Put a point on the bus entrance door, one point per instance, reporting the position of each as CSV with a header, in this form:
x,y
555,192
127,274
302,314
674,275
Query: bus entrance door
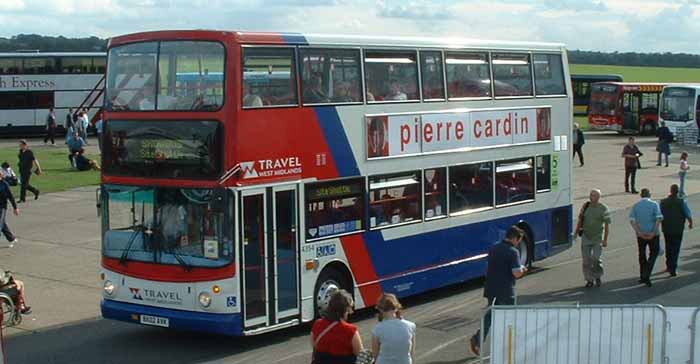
x,y
269,254
630,105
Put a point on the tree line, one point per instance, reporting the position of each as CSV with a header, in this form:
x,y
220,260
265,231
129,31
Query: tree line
x,y
35,42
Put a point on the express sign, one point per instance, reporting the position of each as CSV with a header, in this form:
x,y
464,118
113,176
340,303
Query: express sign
x,y
394,135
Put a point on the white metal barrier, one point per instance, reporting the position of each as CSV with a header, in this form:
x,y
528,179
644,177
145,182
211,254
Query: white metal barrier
x,y
695,337
600,334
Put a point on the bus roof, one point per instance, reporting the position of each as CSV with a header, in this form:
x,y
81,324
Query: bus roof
x,y
51,54
686,85
331,39
595,78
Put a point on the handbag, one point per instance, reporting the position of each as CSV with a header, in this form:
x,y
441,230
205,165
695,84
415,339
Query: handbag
x,y
319,337
364,357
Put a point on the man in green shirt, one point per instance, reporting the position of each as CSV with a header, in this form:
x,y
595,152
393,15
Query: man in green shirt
x,y
676,212
593,227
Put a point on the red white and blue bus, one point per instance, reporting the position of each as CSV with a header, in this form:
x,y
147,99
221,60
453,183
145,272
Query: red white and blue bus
x,y
246,176
31,83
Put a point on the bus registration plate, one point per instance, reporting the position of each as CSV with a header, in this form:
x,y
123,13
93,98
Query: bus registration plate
x,y
155,321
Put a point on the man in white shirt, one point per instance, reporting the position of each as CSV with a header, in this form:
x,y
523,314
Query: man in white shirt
x,y
395,93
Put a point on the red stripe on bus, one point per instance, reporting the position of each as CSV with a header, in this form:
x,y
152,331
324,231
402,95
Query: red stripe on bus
x,y
167,273
362,268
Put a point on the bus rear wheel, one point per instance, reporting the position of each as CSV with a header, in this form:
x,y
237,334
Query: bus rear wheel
x,y
526,250
330,281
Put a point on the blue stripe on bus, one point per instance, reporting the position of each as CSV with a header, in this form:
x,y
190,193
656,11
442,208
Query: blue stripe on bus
x,y
294,38
405,272
337,141
226,324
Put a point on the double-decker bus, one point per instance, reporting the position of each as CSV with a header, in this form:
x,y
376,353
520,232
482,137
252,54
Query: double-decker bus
x,y
625,107
680,106
31,83
581,86
238,203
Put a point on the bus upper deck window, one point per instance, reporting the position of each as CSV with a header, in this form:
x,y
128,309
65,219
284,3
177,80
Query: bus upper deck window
x,y
391,76
468,75
549,75
330,76
511,74
269,77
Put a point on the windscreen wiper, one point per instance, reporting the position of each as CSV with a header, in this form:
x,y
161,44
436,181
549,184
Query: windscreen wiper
x,y
138,228
180,259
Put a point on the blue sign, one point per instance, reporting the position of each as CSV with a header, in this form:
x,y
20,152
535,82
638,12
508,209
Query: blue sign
x,y
231,301
325,250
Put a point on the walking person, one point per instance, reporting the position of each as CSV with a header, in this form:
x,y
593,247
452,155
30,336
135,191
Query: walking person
x,y
51,127
663,146
26,162
645,219
503,269
85,123
333,339
684,167
631,155
579,141
393,339
98,131
5,196
593,227
675,211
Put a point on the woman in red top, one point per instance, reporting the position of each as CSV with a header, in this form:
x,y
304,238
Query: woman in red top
x,y
341,343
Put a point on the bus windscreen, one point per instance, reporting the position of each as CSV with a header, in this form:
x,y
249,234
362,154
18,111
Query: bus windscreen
x,y
603,99
678,104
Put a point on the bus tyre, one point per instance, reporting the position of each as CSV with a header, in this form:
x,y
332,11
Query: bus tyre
x,y
526,249
328,282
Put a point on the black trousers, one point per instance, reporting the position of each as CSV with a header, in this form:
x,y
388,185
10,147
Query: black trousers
x,y
24,180
497,301
673,249
578,148
630,178
646,262
6,229
51,135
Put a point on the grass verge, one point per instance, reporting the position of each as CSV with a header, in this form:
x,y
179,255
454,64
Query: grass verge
x,y
58,175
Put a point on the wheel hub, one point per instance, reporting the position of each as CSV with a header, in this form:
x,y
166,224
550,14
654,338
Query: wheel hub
x,y
324,293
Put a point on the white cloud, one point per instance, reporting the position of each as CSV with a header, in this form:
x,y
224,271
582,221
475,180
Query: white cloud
x,y
624,25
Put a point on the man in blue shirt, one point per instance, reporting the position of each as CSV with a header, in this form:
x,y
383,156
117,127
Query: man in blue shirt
x,y
646,218
75,144
503,268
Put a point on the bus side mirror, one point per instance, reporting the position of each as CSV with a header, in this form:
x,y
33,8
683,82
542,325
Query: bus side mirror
x,y
218,200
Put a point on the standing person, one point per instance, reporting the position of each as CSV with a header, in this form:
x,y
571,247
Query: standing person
x,y
50,127
645,219
675,211
85,123
579,141
663,146
393,339
98,131
6,195
69,124
333,339
631,155
593,227
26,162
684,167
503,269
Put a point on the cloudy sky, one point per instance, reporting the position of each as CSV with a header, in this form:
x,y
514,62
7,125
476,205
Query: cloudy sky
x,y
606,25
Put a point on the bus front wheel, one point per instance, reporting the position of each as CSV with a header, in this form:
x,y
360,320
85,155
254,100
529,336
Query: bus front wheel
x,y
526,250
648,128
330,281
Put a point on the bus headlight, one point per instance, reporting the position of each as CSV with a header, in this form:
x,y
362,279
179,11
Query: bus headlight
x,y
204,299
109,287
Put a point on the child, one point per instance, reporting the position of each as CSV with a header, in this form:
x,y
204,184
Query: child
x,y
684,170
8,174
